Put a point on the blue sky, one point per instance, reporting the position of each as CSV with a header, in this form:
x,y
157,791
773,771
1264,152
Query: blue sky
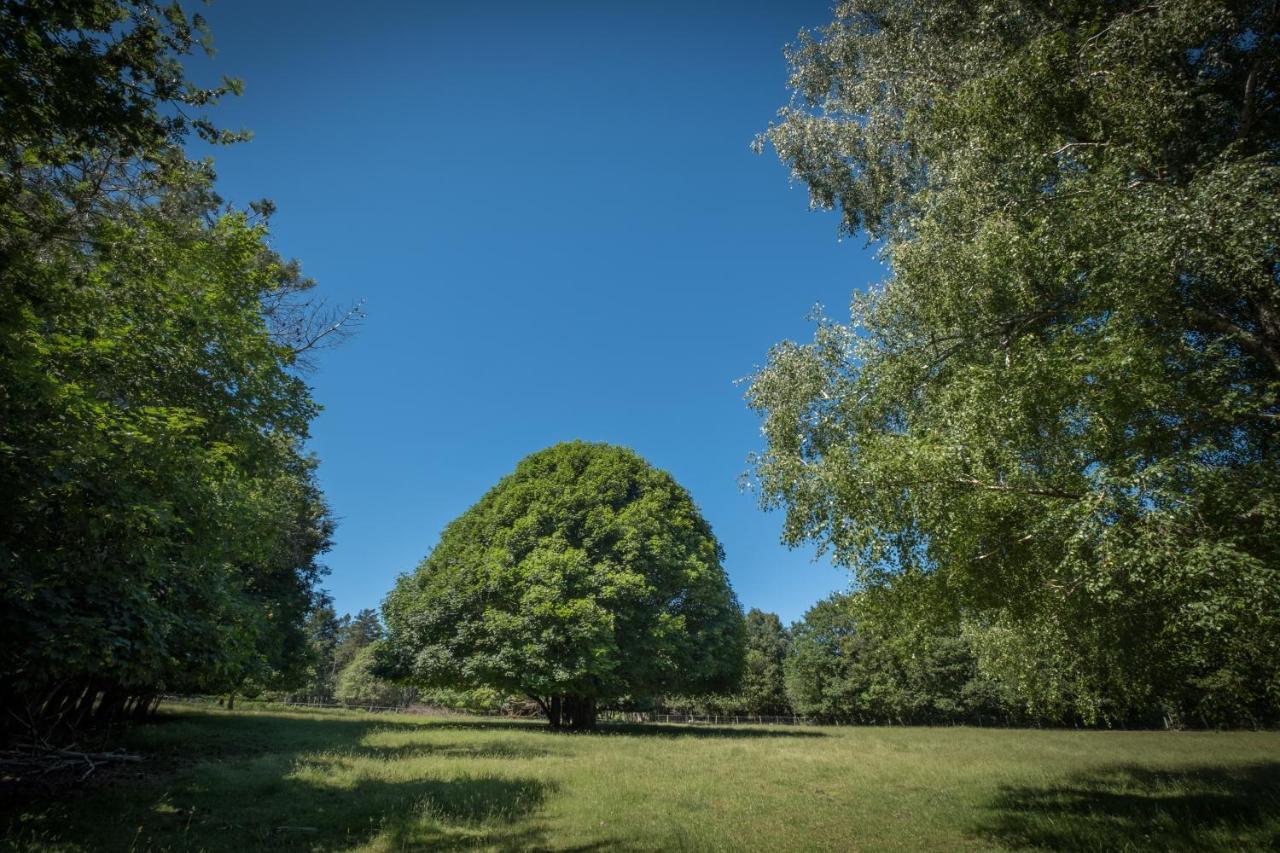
x,y
559,230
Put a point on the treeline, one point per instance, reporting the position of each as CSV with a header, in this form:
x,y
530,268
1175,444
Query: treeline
x,y
343,650
891,655
900,655
345,669
160,522
903,655
857,658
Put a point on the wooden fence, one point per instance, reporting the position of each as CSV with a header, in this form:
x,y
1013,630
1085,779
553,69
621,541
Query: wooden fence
x,y
606,715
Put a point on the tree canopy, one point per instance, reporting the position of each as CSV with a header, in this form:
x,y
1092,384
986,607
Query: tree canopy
x,y
767,644
359,682
1065,396
333,642
161,521
879,656
585,575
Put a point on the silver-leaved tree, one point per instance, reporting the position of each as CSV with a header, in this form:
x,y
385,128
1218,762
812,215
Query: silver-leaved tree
x,y
1062,403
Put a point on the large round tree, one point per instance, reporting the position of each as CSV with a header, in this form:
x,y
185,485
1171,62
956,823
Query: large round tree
x,y
585,575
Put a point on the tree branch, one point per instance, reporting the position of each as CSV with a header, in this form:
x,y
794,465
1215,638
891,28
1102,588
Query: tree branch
x,y
1206,321
1002,487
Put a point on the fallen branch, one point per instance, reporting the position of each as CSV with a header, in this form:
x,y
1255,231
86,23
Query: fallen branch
x,y
47,759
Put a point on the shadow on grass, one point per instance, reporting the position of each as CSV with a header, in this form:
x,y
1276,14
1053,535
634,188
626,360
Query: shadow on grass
x,y
482,812
1140,808
661,730
235,732
221,781
321,730
425,814
237,781
491,749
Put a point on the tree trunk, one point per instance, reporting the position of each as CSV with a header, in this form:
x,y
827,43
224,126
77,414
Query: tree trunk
x,y
569,712
142,707
550,707
84,707
579,713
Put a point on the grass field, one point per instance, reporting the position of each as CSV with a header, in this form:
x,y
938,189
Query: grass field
x,y
324,780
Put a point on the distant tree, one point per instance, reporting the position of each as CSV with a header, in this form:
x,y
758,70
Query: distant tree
x,y
360,684
354,633
476,699
763,685
332,643
819,671
865,657
1065,397
322,629
584,576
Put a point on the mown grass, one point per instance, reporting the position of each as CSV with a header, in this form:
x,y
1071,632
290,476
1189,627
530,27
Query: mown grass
x,y
241,781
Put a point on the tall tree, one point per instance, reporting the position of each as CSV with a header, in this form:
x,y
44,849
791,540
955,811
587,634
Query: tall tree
x,y
161,523
767,642
322,629
1065,397
585,575
355,633
820,672
359,682
888,655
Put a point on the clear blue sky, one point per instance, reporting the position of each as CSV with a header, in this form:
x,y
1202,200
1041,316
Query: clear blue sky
x,y
559,229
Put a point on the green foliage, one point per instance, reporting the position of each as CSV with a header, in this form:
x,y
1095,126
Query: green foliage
x,y
333,642
585,574
359,684
1064,400
477,699
868,658
355,633
161,521
762,689
767,643
81,75
824,650
322,628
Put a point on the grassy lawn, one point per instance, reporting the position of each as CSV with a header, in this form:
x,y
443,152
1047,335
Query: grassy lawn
x,y
325,780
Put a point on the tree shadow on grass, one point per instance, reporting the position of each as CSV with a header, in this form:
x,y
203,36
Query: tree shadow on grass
x,y
283,813
223,734
660,730
488,749
1140,808
429,814
233,781
311,731
220,781
480,812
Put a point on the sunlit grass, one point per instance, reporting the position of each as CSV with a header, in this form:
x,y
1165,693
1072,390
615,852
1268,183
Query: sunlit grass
x,y
223,781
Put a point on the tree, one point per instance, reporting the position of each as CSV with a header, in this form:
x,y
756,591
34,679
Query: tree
x,y
161,524
332,643
322,636
869,658
1065,396
767,644
355,633
824,648
360,684
584,576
